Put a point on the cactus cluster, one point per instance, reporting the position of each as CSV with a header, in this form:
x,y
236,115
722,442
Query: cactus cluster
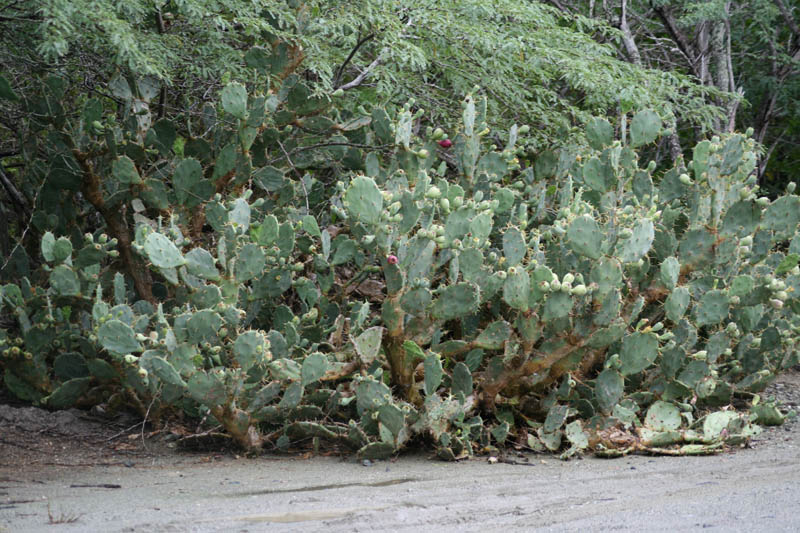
x,y
457,291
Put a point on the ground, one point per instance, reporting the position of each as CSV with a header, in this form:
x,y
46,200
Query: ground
x,y
76,471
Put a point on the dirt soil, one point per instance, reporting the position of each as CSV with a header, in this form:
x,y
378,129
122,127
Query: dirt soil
x,y
75,471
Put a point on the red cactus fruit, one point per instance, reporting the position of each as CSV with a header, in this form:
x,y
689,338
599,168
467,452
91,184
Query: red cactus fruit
x,y
445,143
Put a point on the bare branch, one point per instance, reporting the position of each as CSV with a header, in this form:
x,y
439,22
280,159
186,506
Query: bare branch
x,y
787,16
353,52
679,38
355,82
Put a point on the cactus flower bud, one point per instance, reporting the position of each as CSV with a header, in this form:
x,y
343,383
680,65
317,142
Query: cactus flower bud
x,y
444,203
685,179
445,143
762,201
391,259
790,187
142,373
579,290
568,278
776,304
524,129
433,192
422,154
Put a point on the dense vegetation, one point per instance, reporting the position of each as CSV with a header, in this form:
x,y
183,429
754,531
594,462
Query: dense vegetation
x,y
366,225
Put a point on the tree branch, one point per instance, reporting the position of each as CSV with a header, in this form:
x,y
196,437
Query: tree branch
x,y
787,16
353,52
13,192
355,82
679,38
91,188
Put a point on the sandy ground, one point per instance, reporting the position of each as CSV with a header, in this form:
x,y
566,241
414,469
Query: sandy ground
x,y
66,478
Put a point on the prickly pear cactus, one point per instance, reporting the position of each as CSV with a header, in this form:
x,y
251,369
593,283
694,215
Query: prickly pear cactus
x,y
443,291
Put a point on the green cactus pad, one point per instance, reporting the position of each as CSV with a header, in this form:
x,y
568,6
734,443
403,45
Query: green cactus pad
x,y
599,133
608,389
741,219
314,368
584,237
166,372
663,416
607,273
64,281
433,373
638,352
101,370
118,337
645,127
234,100
124,171
782,216
377,451
517,288
638,244
162,252
392,418
249,349
207,389
712,308
480,228
364,200
670,270
514,248
677,303
370,395
556,416
419,259
200,263
250,262
68,393
558,305
642,185
598,175
416,301
457,224
494,336
696,248
456,301
203,326
471,264
462,380
731,154
70,365
609,307
368,344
